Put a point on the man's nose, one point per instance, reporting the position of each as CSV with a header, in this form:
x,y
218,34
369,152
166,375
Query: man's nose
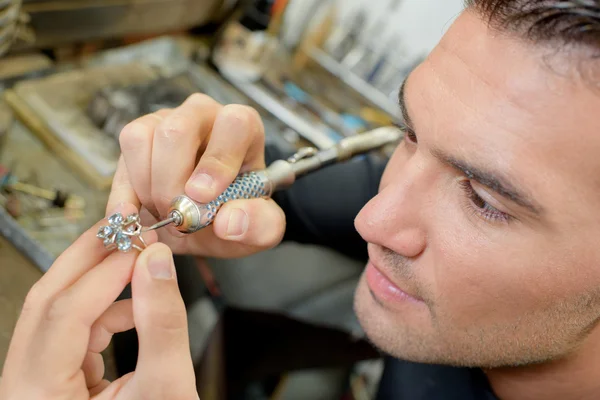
x,y
394,218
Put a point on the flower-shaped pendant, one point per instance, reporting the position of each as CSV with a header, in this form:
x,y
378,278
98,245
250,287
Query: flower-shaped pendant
x,y
121,232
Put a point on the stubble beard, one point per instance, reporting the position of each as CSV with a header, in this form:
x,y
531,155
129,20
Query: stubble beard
x,y
547,336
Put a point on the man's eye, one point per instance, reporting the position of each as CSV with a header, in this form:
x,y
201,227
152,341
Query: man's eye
x,y
411,136
482,207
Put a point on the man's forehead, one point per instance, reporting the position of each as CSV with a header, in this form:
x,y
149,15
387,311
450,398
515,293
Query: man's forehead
x,y
495,99
507,84
515,70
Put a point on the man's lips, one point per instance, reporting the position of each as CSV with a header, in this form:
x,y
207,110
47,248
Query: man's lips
x,y
384,288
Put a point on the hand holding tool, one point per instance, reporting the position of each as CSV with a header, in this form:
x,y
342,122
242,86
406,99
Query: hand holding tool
x,y
189,216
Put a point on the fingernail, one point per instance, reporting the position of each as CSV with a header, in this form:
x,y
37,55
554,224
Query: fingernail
x,y
160,265
203,182
238,222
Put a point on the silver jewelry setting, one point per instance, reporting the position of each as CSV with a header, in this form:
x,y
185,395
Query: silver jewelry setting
x,y
121,232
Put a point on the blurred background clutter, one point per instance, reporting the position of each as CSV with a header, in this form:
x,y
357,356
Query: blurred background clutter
x,y
277,325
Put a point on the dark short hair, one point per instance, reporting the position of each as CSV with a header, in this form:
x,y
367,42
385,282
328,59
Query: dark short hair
x,y
560,22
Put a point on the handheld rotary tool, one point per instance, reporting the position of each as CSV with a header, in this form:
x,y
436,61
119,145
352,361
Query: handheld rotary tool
x,y
189,216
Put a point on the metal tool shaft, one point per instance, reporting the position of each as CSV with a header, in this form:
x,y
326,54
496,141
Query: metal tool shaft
x,y
189,216
171,220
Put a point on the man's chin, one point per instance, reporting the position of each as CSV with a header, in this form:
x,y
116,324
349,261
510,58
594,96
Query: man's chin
x,y
386,330
377,322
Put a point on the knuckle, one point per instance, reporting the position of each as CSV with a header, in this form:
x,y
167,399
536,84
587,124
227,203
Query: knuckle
x,y
171,321
240,115
251,112
246,122
58,309
200,98
35,298
162,112
255,120
133,135
173,127
121,185
256,130
221,162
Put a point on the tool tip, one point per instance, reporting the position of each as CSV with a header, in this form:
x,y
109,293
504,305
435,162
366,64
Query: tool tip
x,y
160,224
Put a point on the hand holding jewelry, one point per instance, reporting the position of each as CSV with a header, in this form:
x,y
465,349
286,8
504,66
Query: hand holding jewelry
x,y
121,232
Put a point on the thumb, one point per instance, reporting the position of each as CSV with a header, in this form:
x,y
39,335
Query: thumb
x,y
165,368
259,223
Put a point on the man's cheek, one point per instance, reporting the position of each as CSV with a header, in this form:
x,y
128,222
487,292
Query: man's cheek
x,y
467,282
482,291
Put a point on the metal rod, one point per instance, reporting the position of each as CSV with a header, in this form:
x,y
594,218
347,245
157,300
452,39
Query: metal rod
x,y
160,224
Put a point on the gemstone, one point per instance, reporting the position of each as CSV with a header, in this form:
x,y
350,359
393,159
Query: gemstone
x,y
123,242
132,228
116,219
104,232
132,218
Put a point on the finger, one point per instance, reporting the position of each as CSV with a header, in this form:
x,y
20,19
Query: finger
x,y
241,228
110,391
99,388
236,143
257,223
63,335
84,254
136,146
117,318
122,191
93,369
177,140
161,323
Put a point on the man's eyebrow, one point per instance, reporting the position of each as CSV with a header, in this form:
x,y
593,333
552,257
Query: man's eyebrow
x,y
495,183
402,103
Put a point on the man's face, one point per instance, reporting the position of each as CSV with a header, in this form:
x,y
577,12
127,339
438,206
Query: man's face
x,y
484,239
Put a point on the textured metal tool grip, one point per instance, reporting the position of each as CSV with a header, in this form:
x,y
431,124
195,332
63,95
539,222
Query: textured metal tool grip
x,y
249,185
193,216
